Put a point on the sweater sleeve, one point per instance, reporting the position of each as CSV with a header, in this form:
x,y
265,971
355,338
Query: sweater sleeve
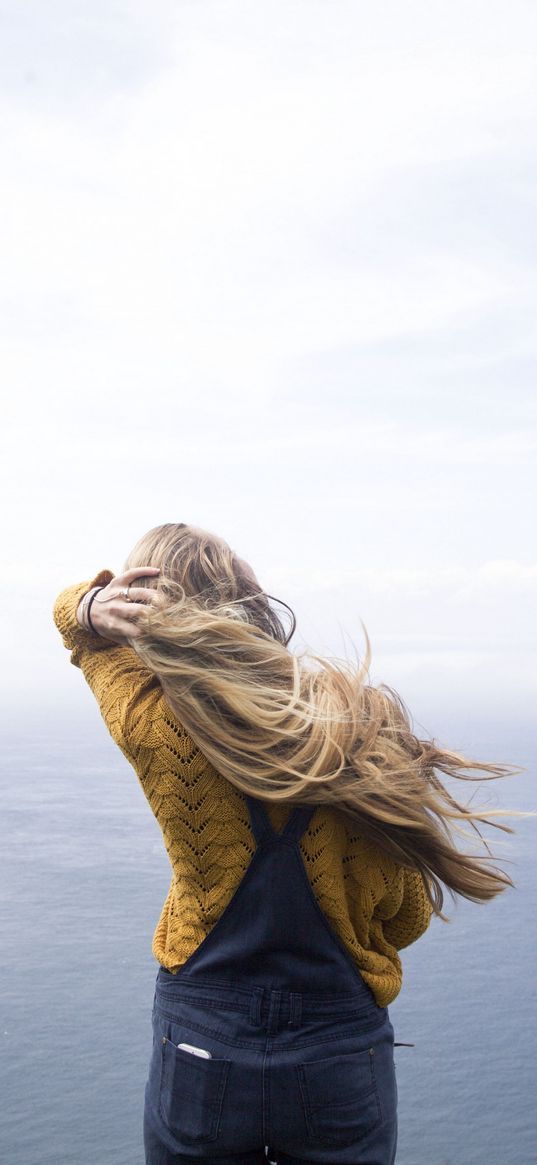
x,y
413,910
126,691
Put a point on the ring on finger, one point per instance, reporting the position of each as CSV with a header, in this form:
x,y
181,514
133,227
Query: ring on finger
x,y
125,592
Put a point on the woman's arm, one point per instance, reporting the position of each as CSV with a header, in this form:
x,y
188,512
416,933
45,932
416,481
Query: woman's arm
x,y
406,910
122,686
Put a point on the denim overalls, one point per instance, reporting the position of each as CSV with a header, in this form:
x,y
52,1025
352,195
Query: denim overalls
x,y
291,1050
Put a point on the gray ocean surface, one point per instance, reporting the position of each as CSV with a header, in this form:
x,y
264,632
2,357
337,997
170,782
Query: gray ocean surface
x,y
84,875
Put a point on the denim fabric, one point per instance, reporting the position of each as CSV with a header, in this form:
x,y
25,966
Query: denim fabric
x,y
298,1055
321,1090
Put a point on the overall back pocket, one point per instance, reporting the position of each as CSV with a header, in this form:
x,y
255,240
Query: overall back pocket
x,y
191,1094
340,1098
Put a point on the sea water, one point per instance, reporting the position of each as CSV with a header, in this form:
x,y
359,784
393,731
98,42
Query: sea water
x,y
84,875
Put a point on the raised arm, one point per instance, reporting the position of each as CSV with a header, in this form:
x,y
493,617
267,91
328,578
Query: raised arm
x,y
122,686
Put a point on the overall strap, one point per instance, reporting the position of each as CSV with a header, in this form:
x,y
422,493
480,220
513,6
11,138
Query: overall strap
x,y
259,821
293,829
298,822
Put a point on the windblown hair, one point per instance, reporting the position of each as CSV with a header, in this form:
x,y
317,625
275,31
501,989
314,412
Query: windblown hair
x,y
302,728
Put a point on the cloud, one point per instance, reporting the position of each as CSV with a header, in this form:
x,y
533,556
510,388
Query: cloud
x,y
73,57
181,174
269,270
455,583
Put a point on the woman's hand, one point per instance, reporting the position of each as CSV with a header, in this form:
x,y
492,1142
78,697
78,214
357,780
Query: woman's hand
x,y
117,615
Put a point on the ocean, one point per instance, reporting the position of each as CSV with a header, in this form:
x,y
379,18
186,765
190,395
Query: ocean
x,y
84,875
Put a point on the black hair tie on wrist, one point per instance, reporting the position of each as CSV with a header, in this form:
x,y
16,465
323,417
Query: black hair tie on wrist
x,y
88,609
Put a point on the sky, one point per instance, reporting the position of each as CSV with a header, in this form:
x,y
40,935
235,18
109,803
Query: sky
x,y
271,269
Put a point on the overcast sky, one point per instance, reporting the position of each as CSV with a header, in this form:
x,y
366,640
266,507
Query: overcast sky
x,y
270,268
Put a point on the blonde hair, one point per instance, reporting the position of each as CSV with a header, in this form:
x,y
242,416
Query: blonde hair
x,y
303,728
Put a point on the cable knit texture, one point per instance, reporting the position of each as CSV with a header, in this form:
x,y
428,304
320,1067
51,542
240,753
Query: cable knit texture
x,y
373,905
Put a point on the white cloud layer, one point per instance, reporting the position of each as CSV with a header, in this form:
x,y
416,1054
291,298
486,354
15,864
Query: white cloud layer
x,y
271,269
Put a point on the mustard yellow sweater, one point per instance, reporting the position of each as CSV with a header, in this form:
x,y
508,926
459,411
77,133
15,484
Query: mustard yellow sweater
x,y
374,906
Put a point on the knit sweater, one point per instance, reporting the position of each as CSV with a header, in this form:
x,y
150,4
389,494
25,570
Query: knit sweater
x,y
374,906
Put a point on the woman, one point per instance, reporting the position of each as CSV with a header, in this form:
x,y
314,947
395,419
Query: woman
x,y
309,838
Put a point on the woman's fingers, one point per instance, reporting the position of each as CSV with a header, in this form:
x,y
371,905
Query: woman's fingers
x,y
136,572
131,619
116,591
142,595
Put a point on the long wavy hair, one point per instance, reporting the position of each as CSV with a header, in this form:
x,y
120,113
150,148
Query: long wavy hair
x,y
301,728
